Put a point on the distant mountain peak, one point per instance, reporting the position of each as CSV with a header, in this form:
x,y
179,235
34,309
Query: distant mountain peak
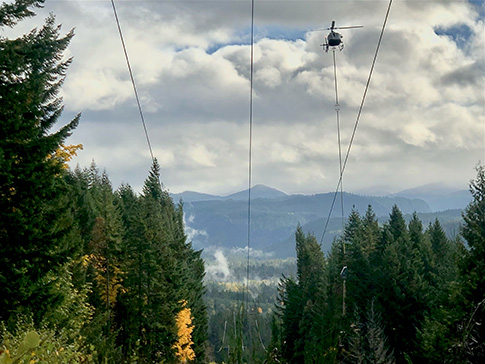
x,y
257,191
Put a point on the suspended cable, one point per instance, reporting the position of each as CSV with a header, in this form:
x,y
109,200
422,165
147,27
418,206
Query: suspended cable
x,y
259,334
132,80
250,167
357,120
337,110
223,337
258,330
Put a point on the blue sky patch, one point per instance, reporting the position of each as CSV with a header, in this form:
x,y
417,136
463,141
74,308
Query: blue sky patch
x,y
271,32
460,34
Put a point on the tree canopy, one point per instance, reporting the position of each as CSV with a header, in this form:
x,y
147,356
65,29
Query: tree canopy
x,y
387,293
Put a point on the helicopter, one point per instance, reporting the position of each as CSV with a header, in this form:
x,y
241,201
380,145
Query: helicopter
x,y
334,39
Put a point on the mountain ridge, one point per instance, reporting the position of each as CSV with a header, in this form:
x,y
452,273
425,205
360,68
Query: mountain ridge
x,y
438,196
223,222
257,191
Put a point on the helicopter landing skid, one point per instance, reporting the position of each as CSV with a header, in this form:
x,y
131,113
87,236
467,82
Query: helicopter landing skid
x,y
326,47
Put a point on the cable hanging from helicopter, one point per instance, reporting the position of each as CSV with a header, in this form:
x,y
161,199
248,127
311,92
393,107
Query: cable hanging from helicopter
x,y
334,39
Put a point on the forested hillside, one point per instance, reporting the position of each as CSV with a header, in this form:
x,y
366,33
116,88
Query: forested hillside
x,y
87,274
399,293
222,222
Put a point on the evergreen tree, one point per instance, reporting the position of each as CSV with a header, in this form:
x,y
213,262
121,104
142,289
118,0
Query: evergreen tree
x,y
290,312
360,238
336,322
10,14
402,289
159,275
161,272
454,331
421,246
371,238
473,231
371,232
130,319
36,227
473,272
439,242
444,265
105,246
368,341
302,304
358,272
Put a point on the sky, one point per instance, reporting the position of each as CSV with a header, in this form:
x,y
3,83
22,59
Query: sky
x,y
423,120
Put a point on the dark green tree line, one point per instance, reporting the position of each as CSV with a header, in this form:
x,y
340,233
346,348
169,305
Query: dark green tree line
x,y
140,267
395,293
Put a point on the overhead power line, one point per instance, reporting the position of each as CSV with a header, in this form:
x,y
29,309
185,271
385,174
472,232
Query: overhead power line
x,y
132,80
250,161
357,120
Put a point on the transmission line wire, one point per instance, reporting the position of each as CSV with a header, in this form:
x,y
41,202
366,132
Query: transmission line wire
x,y
250,162
132,80
357,120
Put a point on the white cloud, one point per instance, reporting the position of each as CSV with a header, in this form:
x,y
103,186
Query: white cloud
x,y
423,119
418,135
201,156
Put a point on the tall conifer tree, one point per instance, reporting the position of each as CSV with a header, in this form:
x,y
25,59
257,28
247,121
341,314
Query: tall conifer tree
x,y
35,224
302,304
402,284
473,270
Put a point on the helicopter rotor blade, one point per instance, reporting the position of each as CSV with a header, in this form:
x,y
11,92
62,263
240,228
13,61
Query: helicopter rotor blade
x,y
353,26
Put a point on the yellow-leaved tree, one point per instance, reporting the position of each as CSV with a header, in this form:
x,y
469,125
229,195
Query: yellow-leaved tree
x,y
66,152
108,273
183,346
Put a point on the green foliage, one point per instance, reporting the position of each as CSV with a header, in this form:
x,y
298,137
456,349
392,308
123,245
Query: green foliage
x,y
368,342
26,345
140,267
35,223
472,268
403,283
473,231
415,295
301,303
10,14
99,272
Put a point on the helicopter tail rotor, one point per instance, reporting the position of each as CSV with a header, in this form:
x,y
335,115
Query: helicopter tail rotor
x,y
325,45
